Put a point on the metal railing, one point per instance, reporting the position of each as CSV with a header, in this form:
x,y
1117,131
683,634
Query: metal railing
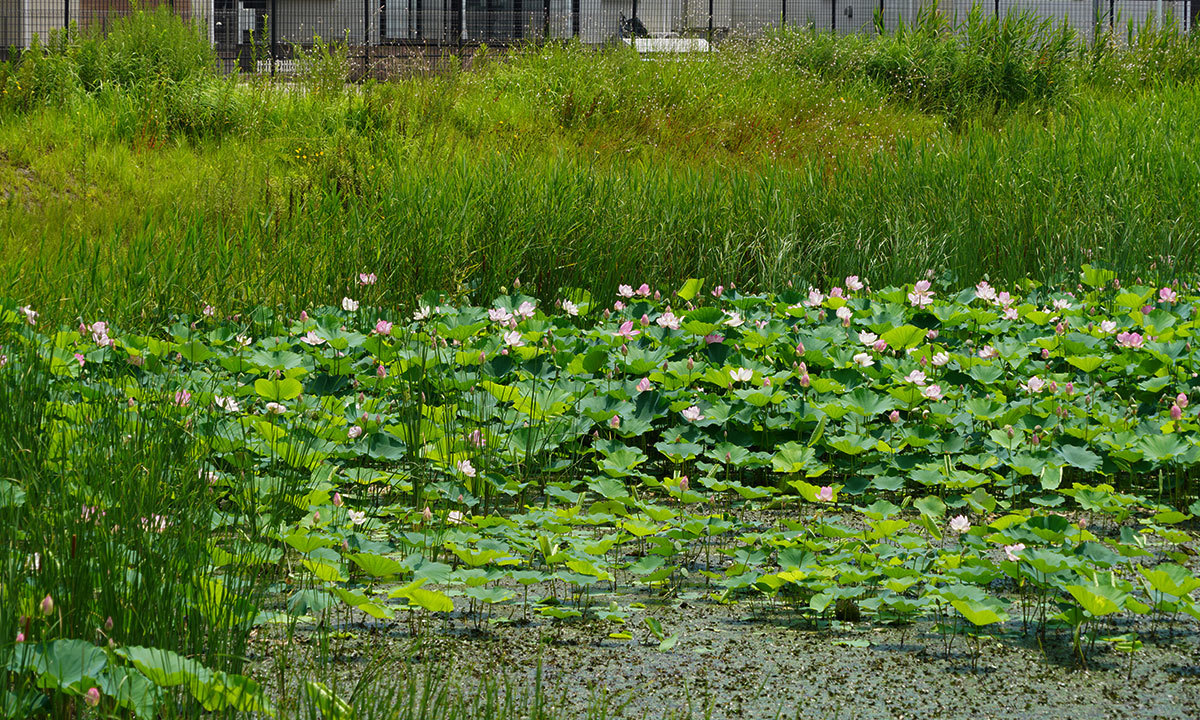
x,y
262,35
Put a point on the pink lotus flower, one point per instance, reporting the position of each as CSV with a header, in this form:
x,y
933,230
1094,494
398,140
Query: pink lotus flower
x,y
466,468
349,305
182,397
714,339
366,278
854,284
643,290
274,408
228,404
668,320
1108,326
916,377
47,605
940,359
863,360
1061,304
1014,551
845,314
867,338
933,392
92,697
383,327
355,432
626,331
960,524
836,292
209,311
1167,295
455,517
692,414
1176,412
80,359
683,484
985,292
423,312
989,353
1130,340
513,338
921,296
20,637
525,310
312,338
894,416
880,345
625,291
358,517
825,494
741,374
1034,385
1181,400
500,315
734,320
614,422
644,385
570,308
815,298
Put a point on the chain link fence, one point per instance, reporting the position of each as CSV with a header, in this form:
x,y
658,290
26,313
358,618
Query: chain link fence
x,y
383,35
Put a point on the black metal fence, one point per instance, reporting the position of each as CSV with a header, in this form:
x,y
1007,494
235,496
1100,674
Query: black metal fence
x,y
261,35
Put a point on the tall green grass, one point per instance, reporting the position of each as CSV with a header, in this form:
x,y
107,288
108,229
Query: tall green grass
x,y
1007,149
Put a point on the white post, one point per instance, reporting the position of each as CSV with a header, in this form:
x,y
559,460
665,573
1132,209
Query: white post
x,y
464,20
1158,14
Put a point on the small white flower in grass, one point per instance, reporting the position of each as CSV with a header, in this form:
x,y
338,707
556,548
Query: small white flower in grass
x,y
312,338
570,308
960,524
466,468
863,360
512,338
349,305
692,414
367,278
209,311
741,374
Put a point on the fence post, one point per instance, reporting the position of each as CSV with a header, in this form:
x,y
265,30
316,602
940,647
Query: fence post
x,y
274,36
783,13
366,36
66,15
833,18
710,23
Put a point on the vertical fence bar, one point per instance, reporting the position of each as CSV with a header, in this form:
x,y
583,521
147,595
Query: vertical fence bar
x,y
833,18
66,15
274,36
710,23
366,37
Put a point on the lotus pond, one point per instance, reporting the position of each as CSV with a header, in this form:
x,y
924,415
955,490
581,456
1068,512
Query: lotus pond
x,y
771,499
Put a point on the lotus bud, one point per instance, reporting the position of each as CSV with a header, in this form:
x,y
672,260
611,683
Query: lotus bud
x,y
728,457
1045,353
92,697
108,624
1181,400
691,364
683,484
805,381
1036,439
20,637
482,357
316,517
1053,386
1008,430
516,283
880,345
615,422
931,335
625,349
657,295
345,545
1070,388
606,314
894,416
337,500
645,319
47,605
427,514
1176,413
799,348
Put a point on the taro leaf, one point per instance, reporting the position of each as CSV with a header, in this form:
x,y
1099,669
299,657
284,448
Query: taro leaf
x,y
691,288
980,613
1099,600
1079,457
278,389
931,506
1170,579
1087,363
903,337
329,705
431,600
377,565
792,457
